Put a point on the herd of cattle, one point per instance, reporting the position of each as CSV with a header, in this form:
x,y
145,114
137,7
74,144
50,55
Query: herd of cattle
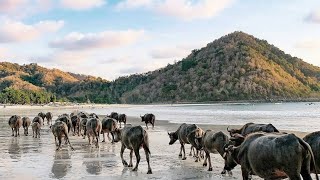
x,y
260,149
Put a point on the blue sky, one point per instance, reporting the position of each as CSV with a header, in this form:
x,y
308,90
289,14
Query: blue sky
x,y
110,38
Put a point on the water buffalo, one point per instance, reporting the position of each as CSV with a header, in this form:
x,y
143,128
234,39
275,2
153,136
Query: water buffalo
x,y
83,126
42,115
182,134
60,129
93,127
148,118
38,119
252,127
133,138
313,139
82,114
213,142
15,122
122,118
66,119
193,138
36,126
49,117
25,124
272,156
114,115
93,115
109,125
75,120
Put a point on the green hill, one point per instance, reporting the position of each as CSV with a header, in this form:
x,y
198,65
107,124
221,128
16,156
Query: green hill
x,y
235,67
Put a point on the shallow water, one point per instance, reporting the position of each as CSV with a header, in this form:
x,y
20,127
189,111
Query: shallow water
x,y
27,158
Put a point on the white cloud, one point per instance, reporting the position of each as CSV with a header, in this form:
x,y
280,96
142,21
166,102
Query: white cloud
x,y
172,53
313,17
16,31
7,6
82,4
183,9
105,39
129,4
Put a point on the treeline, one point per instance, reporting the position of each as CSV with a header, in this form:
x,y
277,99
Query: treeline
x,y
14,96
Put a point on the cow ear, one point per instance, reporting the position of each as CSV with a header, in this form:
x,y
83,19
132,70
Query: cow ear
x,y
168,133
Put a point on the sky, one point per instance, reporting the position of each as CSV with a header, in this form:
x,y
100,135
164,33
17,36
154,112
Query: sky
x,y
112,38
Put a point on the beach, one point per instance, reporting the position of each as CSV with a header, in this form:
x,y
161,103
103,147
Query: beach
x,y
29,158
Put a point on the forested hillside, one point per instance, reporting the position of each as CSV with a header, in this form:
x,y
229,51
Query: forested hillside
x,y
235,67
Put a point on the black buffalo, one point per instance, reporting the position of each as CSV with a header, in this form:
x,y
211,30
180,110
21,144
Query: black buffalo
x,y
272,156
313,139
133,138
114,115
148,118
182,134
109,125
252,127
122,118
213,142
49,117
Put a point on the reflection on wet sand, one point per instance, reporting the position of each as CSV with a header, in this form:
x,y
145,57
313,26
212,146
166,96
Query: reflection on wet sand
x,y
61,163
92,162
14,148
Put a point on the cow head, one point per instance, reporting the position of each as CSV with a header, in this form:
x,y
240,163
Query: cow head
x,y
230,158
142,118
173,137
237,139
117,135
232,131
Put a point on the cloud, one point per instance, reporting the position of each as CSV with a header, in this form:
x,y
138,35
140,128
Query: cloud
x,y
16,31
172,53
18,9
106,39
182,9
81,4
313,17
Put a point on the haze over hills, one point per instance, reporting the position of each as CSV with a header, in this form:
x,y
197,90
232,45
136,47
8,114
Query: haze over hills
x,y
237,66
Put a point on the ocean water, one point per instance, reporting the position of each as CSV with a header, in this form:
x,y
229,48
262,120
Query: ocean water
x,y
301,116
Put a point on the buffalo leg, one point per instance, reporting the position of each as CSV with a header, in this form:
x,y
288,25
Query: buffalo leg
x,y
209,159
89,139
180,154
136,152
97,138
104,138
112,138
12,132
245,174
190,154
197,156
147,125
148,159
205,159
59,145
152,125
121,155
15,129
184,152
55,141
130,163
18,131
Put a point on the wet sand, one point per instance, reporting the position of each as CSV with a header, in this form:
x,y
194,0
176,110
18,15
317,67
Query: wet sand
x,y
27,158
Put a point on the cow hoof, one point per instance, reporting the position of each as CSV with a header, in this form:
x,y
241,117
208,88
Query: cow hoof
x,y
196,160
230,173
135,169
130,165
103,141
125,163
149,171
204,164
184,158
180,155
210,169
223,172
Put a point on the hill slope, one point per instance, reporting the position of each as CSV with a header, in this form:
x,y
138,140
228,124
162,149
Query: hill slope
x,y
237,66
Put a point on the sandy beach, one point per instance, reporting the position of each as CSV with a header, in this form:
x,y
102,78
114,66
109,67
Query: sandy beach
x,y
29,158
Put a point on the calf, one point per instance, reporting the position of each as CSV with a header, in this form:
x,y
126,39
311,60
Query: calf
x,y
182,134
133,138
15,123
211,142
36,129
272,156
49,118
252,127
148,118
60,129
109,125
25,124
122,118
93,127
313,139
